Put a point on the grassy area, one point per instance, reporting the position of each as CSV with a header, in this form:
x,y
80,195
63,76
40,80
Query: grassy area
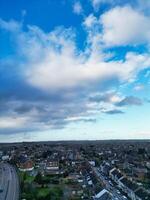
x,y
55,193
42,192
39,187
46,187
29,179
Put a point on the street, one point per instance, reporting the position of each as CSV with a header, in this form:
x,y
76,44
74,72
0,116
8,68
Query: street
x,y
9,182
116,195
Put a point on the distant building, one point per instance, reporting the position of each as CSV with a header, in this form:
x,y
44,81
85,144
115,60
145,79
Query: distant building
x,y
105,168
115,175
128,187
52,165
92,163
141,194
26,166
148,165
102,195
5,157
1,153
140,172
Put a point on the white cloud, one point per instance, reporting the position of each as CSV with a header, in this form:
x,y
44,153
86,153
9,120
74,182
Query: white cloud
x,y
115,98
12,25
97,3
90,21
13,122
77,8
67,70
125,26
53,61
139,87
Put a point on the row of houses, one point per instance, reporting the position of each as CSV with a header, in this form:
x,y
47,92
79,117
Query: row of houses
x,y
133,190
103,195
51,166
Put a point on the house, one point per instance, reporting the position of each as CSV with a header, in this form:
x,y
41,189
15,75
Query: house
x,y
105,168
26,166
5,157
115,175
141,194
92,163
52,167
128,187
148,165
140,172
102,195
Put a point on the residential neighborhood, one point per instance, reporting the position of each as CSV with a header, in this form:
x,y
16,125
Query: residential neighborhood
x,y
97,170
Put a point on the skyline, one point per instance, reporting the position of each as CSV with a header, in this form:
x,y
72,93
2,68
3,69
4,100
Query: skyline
x,y
74,70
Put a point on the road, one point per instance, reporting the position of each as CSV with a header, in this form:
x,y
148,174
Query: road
x,y
9,182
112,189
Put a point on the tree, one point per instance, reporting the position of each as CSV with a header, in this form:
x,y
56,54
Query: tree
x,y
38,178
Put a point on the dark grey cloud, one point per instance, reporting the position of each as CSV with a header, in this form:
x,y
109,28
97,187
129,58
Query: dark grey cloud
x,y
23,109
113,112
129,101
49,110
92,120
46,109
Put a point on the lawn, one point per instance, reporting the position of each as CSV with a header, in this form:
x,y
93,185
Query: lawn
x,y
42,192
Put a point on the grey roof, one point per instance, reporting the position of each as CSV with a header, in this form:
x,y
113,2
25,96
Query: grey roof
x,y
129,184
141,193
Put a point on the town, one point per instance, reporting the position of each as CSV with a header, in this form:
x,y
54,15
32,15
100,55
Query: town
x,y
73,170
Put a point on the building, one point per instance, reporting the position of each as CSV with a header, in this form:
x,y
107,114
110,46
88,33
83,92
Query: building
x,y
128,187
141,194
26,166
105,168
115,175
52,165
103,195
5,157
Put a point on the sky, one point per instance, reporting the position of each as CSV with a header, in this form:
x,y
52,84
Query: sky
x,y
74,70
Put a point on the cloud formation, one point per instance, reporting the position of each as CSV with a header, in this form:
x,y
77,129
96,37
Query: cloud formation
x,y
97,3
113,112
77,8
129,101
49,82
121,26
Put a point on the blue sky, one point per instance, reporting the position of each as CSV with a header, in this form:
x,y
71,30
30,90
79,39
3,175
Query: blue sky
x,y
74,69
